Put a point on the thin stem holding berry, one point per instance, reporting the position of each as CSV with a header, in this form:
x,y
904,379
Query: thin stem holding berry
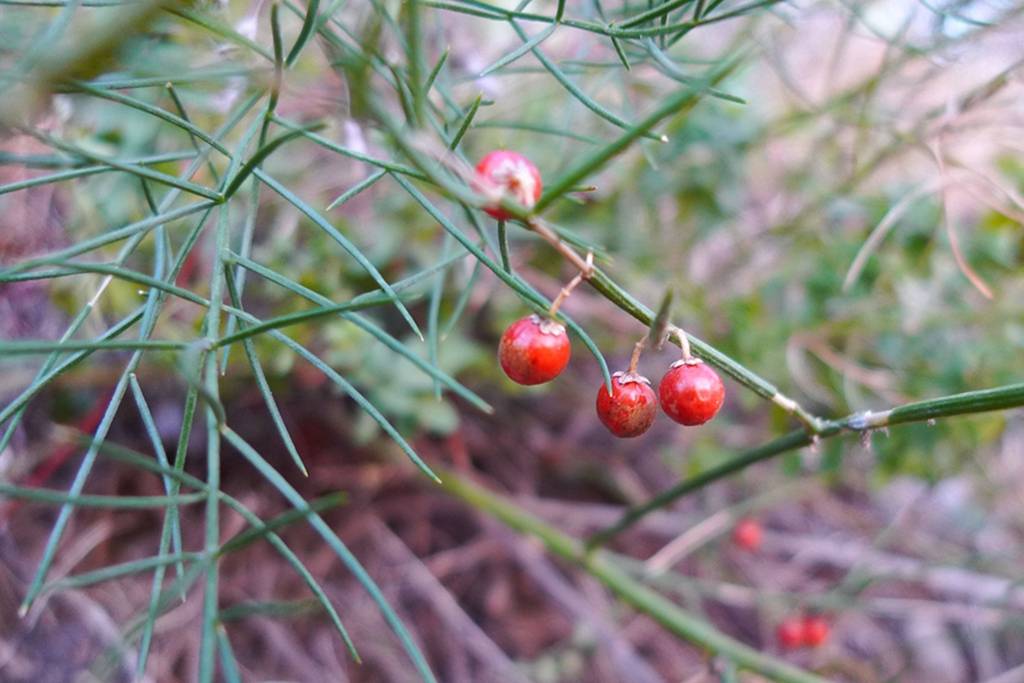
x,y
548,235
684,342
573,284
634,360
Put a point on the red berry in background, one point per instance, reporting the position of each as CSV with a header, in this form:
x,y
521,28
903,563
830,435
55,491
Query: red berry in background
x,y
534,351
631,407
816,631
511,173
791,633
747,534
691,392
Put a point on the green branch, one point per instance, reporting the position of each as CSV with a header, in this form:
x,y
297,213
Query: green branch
x,y
600,566
985,400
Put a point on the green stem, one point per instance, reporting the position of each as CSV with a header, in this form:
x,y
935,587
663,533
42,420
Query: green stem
x,y
414,40
600,565
506,263
211,384
1000,398
984,400
795,439
748,378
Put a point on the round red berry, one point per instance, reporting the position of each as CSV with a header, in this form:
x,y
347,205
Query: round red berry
x,y
816,631
630,409
534,351
691,392
747,534
510,173
791,633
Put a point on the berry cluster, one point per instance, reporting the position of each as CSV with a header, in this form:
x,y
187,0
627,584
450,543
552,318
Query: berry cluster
x,y
794,632
535,350
807,631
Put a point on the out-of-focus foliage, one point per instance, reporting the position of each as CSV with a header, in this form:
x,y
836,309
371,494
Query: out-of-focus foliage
x,y
841,215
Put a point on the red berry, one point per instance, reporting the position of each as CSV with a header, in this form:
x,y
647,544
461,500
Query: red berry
x,y
691,392
791,633
630,409
503,171
747,534
816,631
534,351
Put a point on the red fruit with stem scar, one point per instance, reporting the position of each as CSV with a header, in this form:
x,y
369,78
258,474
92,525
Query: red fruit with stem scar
x,y
691,393
534,351
630,409
509,173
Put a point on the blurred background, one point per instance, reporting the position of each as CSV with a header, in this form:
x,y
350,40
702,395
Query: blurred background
x,y
850,230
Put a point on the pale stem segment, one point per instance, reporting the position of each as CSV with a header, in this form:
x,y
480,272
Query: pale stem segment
x,y
585,271
638,349
585,266
684,342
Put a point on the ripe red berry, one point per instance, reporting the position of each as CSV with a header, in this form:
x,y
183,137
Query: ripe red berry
x,y
816,631
503,171
747,534
691,392
534,351
630,409
791,633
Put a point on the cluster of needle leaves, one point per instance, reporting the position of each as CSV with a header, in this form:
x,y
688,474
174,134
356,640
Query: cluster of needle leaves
x,y
172,117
